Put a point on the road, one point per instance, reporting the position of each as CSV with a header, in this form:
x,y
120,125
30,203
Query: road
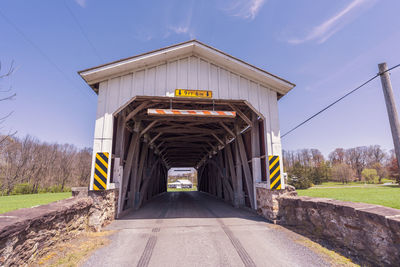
x,y
195,229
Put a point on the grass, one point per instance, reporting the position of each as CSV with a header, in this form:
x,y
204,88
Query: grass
x,y
9,203
75,251
335,184
182,189
388,196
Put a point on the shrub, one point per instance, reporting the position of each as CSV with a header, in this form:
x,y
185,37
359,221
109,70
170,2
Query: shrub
x,y
21,189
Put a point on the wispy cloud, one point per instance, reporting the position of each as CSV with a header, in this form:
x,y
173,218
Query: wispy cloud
x,y
246,9
82,3
183,27
325,30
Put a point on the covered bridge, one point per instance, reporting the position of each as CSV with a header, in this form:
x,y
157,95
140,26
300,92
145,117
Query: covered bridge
x,y
186,105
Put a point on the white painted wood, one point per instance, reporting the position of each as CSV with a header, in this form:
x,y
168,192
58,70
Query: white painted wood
x,y
244,88
214,81
191,72
203,76
253,95
150,81
139,83
182,73
125,89
234,86
172,76
224,84
161,78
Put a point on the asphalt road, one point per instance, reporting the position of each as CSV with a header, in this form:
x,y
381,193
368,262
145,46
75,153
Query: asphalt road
x,y
194,229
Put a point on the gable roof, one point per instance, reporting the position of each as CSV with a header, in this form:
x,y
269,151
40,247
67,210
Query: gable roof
x,y
193,47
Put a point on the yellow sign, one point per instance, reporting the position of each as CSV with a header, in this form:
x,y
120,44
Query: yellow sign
x,y
193,93
274,173
100,171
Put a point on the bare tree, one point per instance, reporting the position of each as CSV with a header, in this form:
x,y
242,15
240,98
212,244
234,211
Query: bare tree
x,y
342,172
337,156
6,95
357,159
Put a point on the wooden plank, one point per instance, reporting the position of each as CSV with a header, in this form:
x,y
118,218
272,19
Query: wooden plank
x,y
151,124
239,197
134,169
227,129
241,114
139,176
246,170
155,138
136,110
119,136
218,139
128,163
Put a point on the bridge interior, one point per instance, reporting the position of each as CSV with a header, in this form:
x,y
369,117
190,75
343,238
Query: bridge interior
x,y
227,152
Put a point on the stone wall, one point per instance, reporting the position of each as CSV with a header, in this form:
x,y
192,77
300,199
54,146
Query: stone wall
x,y
369,233
28,233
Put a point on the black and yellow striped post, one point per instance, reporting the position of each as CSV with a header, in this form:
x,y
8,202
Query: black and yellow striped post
x,y
274,173
100,171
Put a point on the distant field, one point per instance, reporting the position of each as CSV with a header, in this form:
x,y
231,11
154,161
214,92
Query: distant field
x,y
388,196
182,189
9,203
335,184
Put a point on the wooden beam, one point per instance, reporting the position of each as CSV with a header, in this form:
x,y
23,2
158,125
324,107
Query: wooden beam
x,y
241,114
119,142
136,110
155,138
227,129
246,170
218,139
151,124
128,164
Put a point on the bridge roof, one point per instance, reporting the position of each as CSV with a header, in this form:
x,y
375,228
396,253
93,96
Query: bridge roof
x,y
193,47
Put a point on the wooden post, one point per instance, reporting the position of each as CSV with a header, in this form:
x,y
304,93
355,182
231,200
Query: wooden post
x,y
239,197
128,164
246,169
391,109
255,157
139,175
131,201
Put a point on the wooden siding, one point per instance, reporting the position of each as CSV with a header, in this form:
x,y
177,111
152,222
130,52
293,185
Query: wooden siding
x,y
187,72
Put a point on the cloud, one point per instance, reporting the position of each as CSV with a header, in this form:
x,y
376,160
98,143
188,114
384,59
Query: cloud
x,y
246,9
82,3
183,27
325,30
179,29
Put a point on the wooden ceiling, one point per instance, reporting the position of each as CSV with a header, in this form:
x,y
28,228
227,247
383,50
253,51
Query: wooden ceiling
x,y
187,141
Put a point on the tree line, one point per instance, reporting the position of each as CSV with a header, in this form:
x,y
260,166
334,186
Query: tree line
x,y
370,164
28,165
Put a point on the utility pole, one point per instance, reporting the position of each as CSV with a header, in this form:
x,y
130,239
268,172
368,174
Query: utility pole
x,y
391,108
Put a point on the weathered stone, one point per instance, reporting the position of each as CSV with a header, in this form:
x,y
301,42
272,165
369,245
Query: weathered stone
x,y
28,233
369,232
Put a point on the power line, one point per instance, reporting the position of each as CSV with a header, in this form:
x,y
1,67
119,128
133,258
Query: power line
x,y
83,32
338,100
41,52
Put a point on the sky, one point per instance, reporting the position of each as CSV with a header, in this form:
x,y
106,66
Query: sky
x,y
325,47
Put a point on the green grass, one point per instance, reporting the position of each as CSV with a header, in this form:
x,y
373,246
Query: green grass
x,y
9,203
388,196
182,189
331,184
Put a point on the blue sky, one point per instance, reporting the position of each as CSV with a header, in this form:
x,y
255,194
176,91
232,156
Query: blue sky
x,y
325,47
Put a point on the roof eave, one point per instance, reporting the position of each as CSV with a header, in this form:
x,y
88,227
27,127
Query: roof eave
x,y
94,75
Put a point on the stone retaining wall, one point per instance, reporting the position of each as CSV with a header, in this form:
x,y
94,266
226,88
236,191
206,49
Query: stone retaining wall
x,y
370,233
28,233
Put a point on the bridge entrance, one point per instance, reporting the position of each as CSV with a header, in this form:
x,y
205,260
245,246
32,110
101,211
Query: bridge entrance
x,y
228,130
220,144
